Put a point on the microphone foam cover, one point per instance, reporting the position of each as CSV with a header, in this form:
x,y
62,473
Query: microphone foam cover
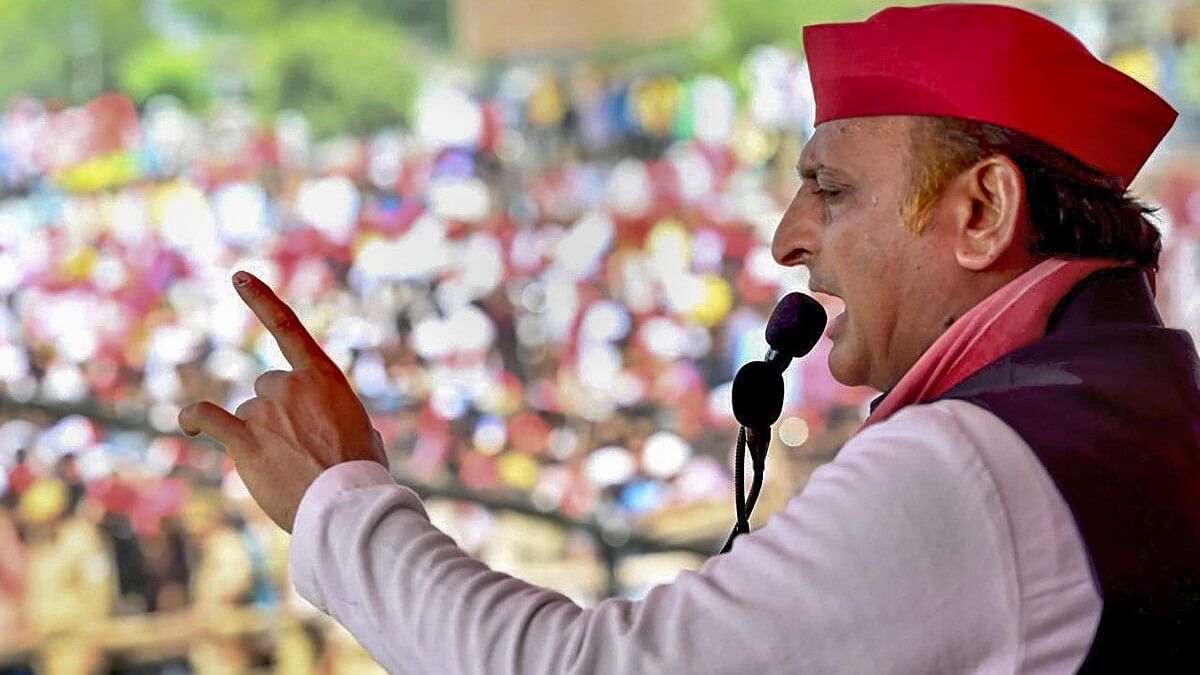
x,y
796,324
757,395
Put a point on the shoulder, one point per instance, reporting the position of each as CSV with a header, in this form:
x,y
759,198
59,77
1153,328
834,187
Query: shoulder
x,y
949,445
971,453
905,522
970,476
975,481
945,422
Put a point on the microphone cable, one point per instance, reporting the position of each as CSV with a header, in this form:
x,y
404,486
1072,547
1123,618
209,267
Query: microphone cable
x,y
757,442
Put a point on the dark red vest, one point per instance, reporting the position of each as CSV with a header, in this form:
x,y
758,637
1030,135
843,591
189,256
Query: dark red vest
x,y
1109,401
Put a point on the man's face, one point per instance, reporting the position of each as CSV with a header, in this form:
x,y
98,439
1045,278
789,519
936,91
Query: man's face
x,y
846,224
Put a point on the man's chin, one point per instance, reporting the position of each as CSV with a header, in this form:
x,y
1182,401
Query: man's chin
x,y
846,366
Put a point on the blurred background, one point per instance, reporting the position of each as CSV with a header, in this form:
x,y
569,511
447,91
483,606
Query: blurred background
x,y
534,232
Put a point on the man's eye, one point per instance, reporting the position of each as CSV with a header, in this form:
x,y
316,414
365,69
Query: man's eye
x,y
825,193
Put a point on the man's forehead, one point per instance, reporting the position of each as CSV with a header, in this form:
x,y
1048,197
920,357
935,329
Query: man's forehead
x,y
842,146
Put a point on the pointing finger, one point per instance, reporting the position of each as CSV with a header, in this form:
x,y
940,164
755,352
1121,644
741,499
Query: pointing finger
x,y
209,418
297,345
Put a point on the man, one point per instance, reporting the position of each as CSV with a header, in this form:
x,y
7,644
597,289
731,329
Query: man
x,y
1022,497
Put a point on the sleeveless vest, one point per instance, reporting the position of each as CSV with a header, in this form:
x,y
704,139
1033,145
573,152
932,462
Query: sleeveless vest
x,y
1109,401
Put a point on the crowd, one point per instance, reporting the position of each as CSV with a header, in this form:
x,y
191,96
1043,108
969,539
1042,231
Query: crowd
x,y
540,319
170,541
544,292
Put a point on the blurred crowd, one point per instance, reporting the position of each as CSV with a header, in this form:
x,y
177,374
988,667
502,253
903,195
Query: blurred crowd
x,y
159,563
544,291
152,557
519,309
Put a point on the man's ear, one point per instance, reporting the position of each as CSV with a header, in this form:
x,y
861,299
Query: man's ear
x,y
989,213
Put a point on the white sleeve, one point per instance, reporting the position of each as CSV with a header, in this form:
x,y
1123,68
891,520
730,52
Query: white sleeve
x,y
897,557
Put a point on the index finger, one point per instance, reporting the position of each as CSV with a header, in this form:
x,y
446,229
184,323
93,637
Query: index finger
x,y
297,345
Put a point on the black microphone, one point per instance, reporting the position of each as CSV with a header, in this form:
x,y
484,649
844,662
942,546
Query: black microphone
x,y
794,328
792,331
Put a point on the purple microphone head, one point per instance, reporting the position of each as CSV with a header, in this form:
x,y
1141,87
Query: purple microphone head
x,y
796,324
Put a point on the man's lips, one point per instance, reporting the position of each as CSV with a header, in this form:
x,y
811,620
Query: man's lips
x,y
818,288
835,306
832,302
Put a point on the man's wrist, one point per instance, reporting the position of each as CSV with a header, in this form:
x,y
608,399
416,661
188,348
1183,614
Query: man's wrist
x,y
313,511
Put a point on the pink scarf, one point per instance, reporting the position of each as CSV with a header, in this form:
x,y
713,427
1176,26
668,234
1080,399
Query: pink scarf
x,y
1012,317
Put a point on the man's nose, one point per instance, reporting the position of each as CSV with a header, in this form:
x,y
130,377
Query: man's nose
x,y
796,238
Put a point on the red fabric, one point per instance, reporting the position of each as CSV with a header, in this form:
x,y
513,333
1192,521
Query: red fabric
x,y
115,494
988,63
1008,319
113,125
21,477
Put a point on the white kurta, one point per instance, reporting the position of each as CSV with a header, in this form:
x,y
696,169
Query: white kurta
x,y
934,543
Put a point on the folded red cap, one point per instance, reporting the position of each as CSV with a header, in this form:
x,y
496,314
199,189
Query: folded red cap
x,y
989,63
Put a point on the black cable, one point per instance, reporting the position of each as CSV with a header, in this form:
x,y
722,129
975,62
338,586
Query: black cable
x,y
758,442
739,485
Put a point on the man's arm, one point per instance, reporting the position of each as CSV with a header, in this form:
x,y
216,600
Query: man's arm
x,y
900,556
897,557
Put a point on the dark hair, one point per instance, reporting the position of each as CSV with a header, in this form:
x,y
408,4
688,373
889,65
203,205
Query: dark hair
x,y
1075,210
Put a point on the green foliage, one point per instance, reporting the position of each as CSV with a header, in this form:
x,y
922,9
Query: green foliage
x,y
32,51
241,16
345,63
158,67
67,49
345,71
427,19
1189,67
753,22
737,26
740,25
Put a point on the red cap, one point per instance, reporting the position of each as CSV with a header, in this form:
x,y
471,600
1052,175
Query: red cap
x,y
989,63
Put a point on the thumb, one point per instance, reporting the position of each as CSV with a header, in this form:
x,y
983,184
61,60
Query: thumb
x,y
209,418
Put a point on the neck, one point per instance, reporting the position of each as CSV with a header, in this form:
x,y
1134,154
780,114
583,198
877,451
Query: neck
x,y
970,288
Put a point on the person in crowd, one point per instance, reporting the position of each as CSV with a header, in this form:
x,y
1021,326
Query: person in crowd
x,y
223,581
13,563
70,578
24,472
66,469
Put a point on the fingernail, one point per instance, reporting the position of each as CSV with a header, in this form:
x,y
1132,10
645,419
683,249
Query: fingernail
x,y
241,279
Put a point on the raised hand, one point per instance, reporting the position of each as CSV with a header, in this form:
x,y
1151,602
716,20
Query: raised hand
x,y
298,424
